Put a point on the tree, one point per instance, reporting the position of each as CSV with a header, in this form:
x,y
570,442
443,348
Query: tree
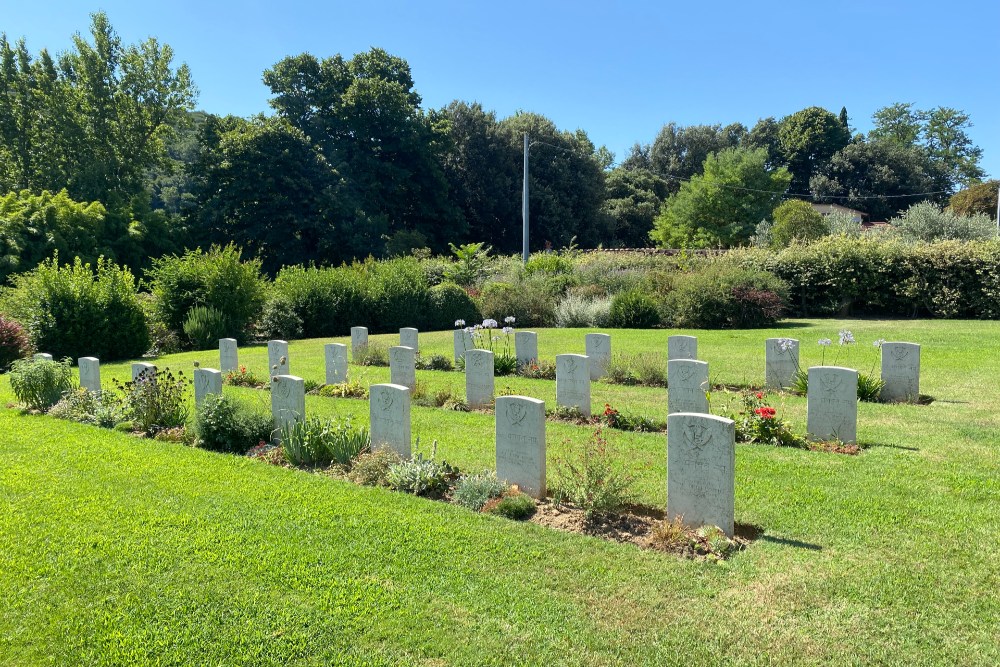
x,y
796,220
679,152
808,139
978,198
633,198
845,120
262,184
897,123
878,177
722,206
366,118
764,134
949,144
926,222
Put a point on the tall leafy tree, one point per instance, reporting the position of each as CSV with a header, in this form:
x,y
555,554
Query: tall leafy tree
x,y
722,206
764,134
808,139
977,198
680,151
633,200
898,123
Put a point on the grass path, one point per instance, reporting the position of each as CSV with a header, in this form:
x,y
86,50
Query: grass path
x,y
122,551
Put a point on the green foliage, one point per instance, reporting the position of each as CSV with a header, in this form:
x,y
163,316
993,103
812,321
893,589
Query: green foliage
x,y
632,201
622,421
633,309
39,383
84,406
422,477
204,327
217,279
575,311
155,402
722,206
278,320
470,263
870,387
590,479
681,151
373,354
435,362
474,491
807,140
927,223
977,198
796,220
551,263
243,377
530,303
349,389
77,310
539,369
758,422
448,303
372,468
721,297
14,342
224,424
645,368
318,442
512,505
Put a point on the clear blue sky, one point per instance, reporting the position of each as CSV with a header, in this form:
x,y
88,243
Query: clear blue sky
x,y
618,70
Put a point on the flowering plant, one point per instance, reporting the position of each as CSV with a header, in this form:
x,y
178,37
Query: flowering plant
x,y
490,336
759,422
869,384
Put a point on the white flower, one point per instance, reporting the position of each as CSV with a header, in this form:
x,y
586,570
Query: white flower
x,y
490,324
459,323
878,343
496,338
469,330
825,342
477,327
509,319
785,344
846,337
508,330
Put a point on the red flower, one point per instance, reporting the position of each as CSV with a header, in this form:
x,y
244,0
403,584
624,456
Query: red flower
x,y
765,412
760,394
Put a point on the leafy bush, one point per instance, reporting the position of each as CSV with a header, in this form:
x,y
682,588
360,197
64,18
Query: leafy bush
x,y
372,468
621,421
758,422
224,424
77,310
470,263
14,343
578,311
314,441
723,297
447,303
796,220
278,320
512,505
435,362
373,354
538,369
204,327
589,479
349,389
155,402
633,309
87,407
218,279
530,303
422,477
474,491
925,222
548,262
40,383
646,368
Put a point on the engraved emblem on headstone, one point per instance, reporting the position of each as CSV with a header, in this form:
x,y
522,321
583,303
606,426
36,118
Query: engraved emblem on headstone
x,y
830,383
697,435
898,352
516,413
385,401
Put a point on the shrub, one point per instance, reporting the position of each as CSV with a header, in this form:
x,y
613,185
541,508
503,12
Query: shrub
x,y
435,362
349,389
633,309
470,263
422,477
155,402
723,297
204,327
530,303
372,468
589,479
315,442
217,279
224,424
14,343
447,303
77,310
759,422
40,383
646,368
243,378
87,407
539,369
512,505
278,320
548,262
373,354
580,311
796,220
474,491
612,418
926,222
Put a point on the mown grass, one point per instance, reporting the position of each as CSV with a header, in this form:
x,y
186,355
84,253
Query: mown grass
x,y
119,550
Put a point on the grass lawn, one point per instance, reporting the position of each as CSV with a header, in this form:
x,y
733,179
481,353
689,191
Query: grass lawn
x,y
117,550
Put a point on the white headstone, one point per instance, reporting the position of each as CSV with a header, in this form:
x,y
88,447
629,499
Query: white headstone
x,y
288,401
206,381
336,363
701,465
402,366
90,373
479,385
682,347
687,382
520,438
359,341
573,382
832,404
140,368
410,337
229,356
599,351
901,371
389,411
462,341
526,347
277,355
43,356
781,362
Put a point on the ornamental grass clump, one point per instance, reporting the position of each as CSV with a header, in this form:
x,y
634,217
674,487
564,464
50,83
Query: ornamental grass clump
x,y
38,384
319,442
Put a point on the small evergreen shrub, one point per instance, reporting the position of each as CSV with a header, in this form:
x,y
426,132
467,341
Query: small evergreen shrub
x,y
581,311
422,477
589,479
279,320
372,468
39,383
529,302
204,327
512,505
14,343
646,368
633,309
447,303
224,424
435,362
349,389
474,491
549,262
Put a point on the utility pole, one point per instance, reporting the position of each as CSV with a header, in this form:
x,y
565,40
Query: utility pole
x,y
524,203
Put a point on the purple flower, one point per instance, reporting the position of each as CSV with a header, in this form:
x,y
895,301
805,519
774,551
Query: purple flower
x,y
846,337
825,342
489,324
508,330
785,344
